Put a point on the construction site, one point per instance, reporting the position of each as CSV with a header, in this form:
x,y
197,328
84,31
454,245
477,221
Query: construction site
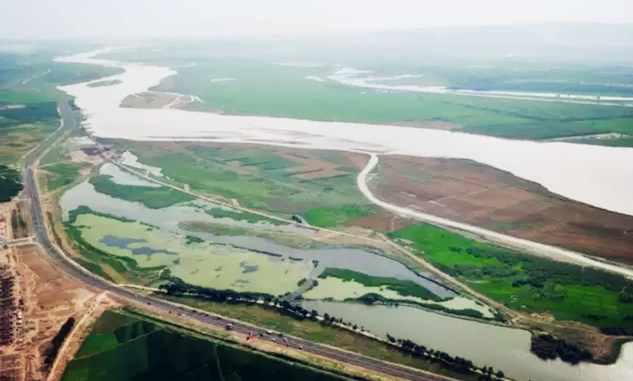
x,y
35,301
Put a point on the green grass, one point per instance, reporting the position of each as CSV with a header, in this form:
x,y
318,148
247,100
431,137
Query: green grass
x,y
141,350
256,177
264,89
329,217
240,216
526,283
402,287
60,175
151,197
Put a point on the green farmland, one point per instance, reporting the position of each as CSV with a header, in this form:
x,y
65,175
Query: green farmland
x,y
264,89
526,283
123,348
259,178
155,198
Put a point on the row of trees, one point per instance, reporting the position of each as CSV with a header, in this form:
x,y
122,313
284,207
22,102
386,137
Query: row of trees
x,y
547,347
456,364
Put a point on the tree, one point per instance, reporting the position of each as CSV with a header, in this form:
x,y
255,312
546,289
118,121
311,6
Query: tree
x,y
500,374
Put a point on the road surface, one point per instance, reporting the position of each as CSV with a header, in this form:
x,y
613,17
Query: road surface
x,y
56,257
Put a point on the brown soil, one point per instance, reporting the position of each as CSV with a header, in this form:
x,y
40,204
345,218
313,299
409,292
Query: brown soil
x,y
480,195
21,220
47,298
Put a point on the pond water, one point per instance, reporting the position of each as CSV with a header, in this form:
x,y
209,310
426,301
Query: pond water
x,y
169,219
123,178
502,348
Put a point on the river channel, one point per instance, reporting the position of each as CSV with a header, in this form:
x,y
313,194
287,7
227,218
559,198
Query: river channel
x,y
502,348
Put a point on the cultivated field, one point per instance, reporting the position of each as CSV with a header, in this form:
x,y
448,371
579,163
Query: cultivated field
x,y
480,195
124,348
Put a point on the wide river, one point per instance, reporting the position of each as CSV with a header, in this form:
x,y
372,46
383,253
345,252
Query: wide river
x,y
599,176
595,175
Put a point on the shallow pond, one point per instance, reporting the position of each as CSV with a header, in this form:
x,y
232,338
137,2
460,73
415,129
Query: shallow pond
x,y
502,348
169,219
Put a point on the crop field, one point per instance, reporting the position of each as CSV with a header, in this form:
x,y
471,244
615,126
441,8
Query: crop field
x,y
124,348
480,195
526,283
265,178
152,197
198,263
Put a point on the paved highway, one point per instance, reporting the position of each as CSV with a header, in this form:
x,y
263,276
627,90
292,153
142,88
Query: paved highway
x,y
55,256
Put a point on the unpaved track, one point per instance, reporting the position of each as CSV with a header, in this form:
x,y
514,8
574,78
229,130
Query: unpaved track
x,y
552,252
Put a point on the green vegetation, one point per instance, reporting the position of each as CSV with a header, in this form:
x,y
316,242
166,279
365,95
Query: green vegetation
x,y
327,218
103,263
256,176
133,349
240,216
10,183
402,287
193,239
524,282
60,175
151,197
265,89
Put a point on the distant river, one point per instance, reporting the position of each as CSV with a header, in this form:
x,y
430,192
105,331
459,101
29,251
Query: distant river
x,y
595,175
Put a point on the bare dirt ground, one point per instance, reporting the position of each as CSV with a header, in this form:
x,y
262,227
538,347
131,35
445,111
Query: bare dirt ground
x,y
480,195
5,220
148,100
46,299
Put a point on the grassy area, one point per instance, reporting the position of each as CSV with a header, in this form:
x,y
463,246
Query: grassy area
x,y
329,217
60,175
262,88
402,287
123,348
151,197
10,183
19,139
526,283
255,176
317,332
240,216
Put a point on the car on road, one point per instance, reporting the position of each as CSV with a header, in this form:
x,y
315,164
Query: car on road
x,y
229,327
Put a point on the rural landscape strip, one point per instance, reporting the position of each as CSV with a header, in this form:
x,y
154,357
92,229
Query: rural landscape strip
x,y
502,239
56,255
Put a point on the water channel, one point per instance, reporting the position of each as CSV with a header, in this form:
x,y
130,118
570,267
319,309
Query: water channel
x,y
505,349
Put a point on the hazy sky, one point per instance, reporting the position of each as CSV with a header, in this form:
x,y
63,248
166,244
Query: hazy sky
x,y
187,18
